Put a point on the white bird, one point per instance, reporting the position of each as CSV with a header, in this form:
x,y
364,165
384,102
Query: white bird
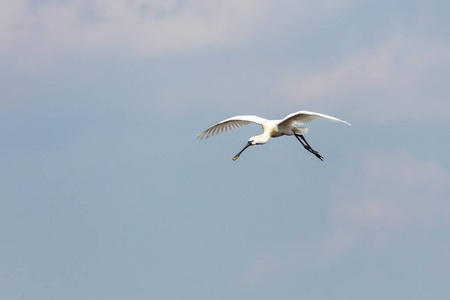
x,y
271,128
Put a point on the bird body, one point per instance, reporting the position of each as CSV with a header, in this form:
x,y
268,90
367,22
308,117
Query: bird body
x,y
271,128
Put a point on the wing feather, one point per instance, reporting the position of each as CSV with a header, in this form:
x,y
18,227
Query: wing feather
x,y
302,117
229,124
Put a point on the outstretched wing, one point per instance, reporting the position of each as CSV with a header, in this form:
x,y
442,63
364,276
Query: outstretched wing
x,y
302,117
229,124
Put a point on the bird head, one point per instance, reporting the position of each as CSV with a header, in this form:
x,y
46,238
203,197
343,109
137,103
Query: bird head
x,y
254,140
258,139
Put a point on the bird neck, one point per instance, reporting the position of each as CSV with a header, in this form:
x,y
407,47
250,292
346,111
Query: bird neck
x,y
263,138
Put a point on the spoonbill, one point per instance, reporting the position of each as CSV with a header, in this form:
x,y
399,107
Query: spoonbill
x,y
271,128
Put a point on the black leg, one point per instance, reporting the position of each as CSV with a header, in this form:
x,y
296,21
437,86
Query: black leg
x,y
307,146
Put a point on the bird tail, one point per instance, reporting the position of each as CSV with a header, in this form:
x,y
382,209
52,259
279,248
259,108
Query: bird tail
x,y
301,130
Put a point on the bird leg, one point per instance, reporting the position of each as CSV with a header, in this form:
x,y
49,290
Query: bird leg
x,y
307,146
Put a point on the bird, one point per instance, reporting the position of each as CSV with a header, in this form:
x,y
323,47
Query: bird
x,y
288,126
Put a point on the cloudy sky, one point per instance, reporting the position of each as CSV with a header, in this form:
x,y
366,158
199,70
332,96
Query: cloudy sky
x,y
105,193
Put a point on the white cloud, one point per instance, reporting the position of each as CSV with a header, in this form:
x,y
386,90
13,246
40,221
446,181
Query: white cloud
x,y
337,243
395,79
144,27
396,191
264,266
269,264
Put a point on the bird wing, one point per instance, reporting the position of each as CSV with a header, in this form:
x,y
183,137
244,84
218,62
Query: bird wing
x,y
302,117
229,124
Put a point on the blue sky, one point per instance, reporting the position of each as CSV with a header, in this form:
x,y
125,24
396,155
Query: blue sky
x,y
106,193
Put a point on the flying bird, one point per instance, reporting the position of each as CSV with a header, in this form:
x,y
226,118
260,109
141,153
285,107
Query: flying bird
x,y
290,125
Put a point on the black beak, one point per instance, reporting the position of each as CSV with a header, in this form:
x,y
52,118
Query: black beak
x,y
246,146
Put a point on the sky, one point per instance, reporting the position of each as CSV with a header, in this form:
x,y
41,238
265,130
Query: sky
x,y
105,192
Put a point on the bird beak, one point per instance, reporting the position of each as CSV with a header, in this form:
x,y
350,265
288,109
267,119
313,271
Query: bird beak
x,y
246,146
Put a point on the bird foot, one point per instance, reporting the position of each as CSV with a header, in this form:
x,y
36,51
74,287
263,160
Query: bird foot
x,y
318,156
314,152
